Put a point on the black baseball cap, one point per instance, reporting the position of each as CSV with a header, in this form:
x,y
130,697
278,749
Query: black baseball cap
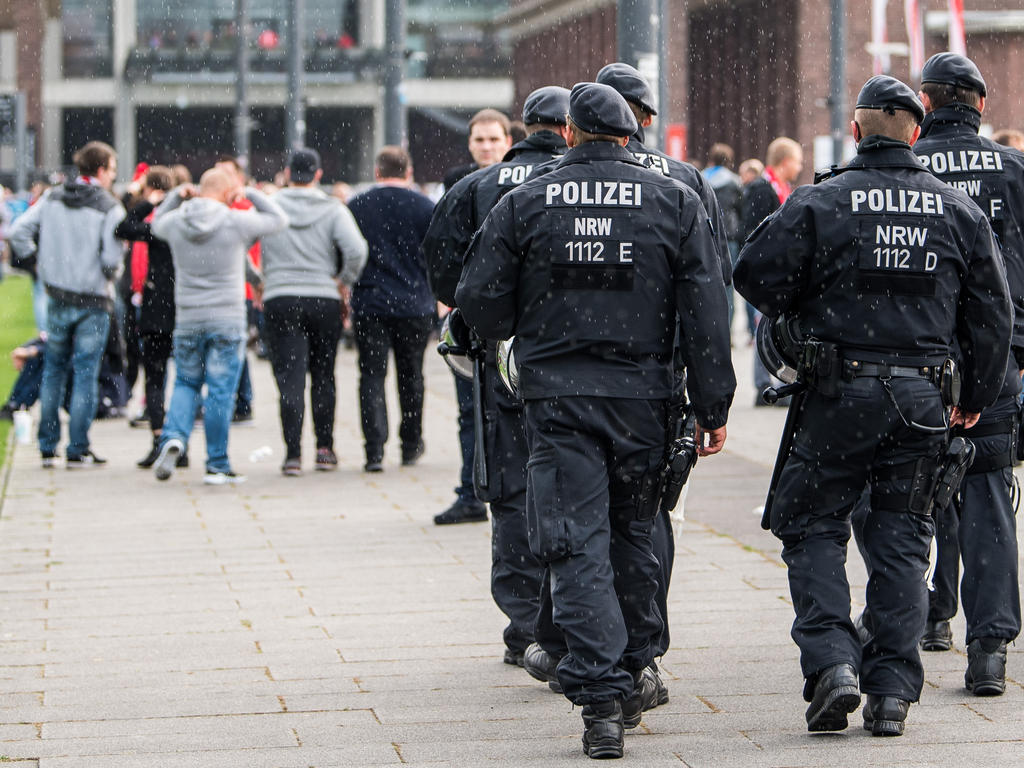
x,y
546,105
953,69
629,83
600,109
889,94
303,165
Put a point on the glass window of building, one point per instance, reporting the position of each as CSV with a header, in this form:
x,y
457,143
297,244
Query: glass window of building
x,y
87,37
182,25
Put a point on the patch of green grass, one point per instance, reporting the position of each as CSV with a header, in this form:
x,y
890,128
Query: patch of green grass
x,y
17,325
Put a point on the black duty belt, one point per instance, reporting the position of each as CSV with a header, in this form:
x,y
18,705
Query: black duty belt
x,y
858,368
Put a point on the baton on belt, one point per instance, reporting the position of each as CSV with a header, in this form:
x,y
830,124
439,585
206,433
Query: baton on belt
x,y
479,443
798,391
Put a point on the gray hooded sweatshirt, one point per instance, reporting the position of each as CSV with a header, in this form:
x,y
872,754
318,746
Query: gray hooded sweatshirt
x,y
209,245
71,232
322,243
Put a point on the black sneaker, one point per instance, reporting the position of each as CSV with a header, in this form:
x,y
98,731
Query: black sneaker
x,y
602,730
462,512
411,455
167,460
835,694
242,419
938,636
513,657
541,665
84,460
49,460
986,666
373,465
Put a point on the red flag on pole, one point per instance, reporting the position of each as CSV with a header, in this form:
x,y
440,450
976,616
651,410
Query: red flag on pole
x,y
957,43
915,37
880,36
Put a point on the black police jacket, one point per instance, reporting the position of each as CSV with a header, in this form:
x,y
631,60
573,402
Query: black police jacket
x,y
993,176
890,264
588,265
658,161
463,208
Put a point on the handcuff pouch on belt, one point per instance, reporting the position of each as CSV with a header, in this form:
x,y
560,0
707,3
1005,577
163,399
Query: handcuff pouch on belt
x,y
820,366
933,482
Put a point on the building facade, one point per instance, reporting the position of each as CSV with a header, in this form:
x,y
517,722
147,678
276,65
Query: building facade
x,y
745,71
157,78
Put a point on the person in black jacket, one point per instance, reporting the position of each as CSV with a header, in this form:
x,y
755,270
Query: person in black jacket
x,y
588,265
980,527
392,308
156,307
885,269
761,197
516,575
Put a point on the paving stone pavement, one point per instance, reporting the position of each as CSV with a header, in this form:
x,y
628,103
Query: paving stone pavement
x,y
325,621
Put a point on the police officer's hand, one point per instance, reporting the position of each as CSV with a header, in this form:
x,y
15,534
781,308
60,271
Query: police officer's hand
x,y
715,440
967,419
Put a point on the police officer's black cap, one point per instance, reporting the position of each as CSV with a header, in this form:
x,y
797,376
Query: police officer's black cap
x,y
889,94
303,165
600,109
546,105
630,83
953,69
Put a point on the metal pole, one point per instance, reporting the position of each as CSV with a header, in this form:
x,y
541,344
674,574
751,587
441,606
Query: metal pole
x,y
837,78
22,159
242,120
663,97
394,108
637,32
295,120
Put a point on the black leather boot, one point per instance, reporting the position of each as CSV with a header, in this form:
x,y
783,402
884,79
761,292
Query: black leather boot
x,y
986,666
602,730
542,666
835,695
938,636
885,715
645,696
149,459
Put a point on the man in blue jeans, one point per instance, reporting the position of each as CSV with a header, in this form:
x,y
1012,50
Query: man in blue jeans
x,y
209,241
71,233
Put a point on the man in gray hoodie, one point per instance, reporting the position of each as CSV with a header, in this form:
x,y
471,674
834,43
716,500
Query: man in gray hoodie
x,y
208,243
302,267
71,233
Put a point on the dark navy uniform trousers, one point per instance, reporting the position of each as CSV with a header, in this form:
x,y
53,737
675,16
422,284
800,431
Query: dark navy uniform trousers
x,y
843,444
590,515
980,528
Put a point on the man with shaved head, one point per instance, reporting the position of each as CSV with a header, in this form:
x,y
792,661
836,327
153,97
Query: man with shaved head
x,y
208,241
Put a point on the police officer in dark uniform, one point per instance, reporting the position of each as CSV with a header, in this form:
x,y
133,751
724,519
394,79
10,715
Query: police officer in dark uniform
x,y
953,93
587,266
516,574
542,657
884,268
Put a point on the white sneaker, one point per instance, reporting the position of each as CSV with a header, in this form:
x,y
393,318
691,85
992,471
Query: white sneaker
x,y
167,460
223,478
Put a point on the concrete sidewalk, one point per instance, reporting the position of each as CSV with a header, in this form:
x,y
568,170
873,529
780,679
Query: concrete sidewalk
x,y
325,621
